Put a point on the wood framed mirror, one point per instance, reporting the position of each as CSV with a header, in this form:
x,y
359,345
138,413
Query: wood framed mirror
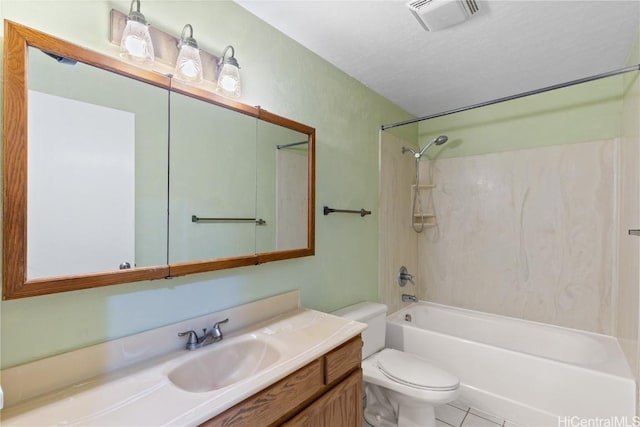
x,y
72,221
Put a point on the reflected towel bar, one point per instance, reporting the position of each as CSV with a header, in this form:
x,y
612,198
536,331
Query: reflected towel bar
x,y
259,221
362,212
293,144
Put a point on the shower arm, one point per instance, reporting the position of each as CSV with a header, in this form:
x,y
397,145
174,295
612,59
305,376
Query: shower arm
x,y
426,147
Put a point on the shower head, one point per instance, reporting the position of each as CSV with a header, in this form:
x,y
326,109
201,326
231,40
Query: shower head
x,y
417,154
441,140
438,141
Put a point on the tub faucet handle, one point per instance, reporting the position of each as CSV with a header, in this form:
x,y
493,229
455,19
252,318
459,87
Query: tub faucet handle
x,y
404,277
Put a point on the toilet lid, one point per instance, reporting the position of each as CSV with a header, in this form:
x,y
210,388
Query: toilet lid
x,y
414,371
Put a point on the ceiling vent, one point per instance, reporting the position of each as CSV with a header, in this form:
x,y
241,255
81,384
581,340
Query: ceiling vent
x,y
435,15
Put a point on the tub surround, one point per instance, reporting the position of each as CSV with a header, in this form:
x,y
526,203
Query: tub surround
x,y
398,241
627,295
527,234
120,387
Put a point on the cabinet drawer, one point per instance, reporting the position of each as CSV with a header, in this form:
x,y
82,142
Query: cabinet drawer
x,y
266,407
339,407
342,360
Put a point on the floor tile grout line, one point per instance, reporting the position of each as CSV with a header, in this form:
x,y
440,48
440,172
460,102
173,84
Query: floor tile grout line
x,y
465,417
487,419
444,422
495,421
459,407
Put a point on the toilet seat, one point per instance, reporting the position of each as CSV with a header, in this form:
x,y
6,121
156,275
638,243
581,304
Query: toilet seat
x,y
413,371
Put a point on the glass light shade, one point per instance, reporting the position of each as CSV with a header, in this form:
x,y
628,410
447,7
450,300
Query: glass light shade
x,y
229,81
136,45
189,64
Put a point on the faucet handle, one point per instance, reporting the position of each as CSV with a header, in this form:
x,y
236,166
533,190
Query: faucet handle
x,y
215,330
404,277
193,338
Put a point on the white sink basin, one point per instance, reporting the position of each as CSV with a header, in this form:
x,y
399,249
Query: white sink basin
x,y
224,363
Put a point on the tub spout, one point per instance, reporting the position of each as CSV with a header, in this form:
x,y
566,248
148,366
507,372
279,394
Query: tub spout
x,y
409,298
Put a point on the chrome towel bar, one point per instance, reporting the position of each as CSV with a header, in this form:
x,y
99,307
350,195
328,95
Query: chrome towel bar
x,y
259,221
362,212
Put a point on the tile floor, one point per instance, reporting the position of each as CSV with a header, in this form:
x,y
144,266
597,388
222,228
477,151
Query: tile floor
x,y
456,414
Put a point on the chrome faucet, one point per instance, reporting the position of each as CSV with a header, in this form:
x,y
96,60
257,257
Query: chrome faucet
x,y
213,335
409,298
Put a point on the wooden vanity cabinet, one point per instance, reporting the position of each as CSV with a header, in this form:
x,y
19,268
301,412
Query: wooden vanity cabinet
x,y
325,393
340,406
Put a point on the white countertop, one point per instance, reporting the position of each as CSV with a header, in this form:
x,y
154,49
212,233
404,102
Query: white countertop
x,y
142,394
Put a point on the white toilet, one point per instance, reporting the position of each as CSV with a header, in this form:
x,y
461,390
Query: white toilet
x,y
401,389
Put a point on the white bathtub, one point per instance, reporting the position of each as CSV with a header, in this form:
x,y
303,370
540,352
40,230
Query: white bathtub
x,y
527,372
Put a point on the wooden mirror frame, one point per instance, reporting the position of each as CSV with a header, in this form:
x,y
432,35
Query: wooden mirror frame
x,y
14,170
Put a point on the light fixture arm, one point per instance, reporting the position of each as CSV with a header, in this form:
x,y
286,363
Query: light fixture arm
x,y
137,2
231,60
135,15
189,40
188,26
224,52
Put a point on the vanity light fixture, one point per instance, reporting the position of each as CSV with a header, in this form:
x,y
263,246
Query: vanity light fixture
x,y
228,75
189,63
136,45
180,58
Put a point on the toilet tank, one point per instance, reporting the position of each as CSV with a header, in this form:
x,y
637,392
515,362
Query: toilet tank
x,y
375,316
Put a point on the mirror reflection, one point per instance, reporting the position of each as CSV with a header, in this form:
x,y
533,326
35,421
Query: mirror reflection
x,y
212,178
97,166
115,174
282,182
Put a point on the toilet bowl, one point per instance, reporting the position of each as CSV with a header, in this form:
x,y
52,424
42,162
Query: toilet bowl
x,y
411,386
401,389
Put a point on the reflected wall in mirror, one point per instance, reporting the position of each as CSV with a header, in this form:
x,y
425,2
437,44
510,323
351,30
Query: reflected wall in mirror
x,y
213,177
88,144
97,166
282,171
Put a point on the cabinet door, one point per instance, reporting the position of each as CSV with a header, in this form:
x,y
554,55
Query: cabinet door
x,y
340,406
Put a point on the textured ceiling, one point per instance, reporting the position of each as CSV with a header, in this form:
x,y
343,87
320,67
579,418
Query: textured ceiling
x,y
508,48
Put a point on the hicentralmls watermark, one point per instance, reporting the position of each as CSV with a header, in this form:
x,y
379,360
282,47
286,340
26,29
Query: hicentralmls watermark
x,y
599,422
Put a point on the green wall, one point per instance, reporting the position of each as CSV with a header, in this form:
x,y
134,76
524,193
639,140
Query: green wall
x,y
586,112
280,76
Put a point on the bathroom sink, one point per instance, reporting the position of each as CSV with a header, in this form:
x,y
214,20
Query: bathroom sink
x,y
222,364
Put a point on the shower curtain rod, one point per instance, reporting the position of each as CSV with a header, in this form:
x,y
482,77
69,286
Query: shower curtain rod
x,y
512,97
